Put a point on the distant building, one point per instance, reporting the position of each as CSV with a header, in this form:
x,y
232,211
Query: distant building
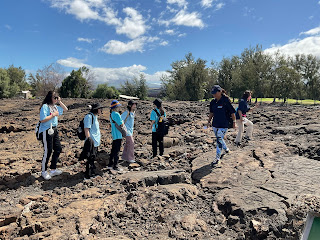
x,y
25,94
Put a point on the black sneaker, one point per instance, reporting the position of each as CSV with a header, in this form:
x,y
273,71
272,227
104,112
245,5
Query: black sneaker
x,y
117,169
86,176
215,163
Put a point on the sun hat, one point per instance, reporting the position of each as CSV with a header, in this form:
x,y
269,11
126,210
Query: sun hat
x,y
115,104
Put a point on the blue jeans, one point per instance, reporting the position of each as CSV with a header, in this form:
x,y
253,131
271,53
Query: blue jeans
x,y
221,144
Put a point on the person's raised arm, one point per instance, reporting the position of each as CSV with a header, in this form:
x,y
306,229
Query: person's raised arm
x,y
62,105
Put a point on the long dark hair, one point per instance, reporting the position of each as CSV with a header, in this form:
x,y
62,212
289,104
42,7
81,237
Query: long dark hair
x,y
246,94
47,99
224,93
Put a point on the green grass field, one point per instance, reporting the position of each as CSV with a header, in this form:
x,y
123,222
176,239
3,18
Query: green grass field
x,y
289,101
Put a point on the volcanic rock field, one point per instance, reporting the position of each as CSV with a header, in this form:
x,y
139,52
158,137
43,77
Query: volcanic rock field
x,y
262,190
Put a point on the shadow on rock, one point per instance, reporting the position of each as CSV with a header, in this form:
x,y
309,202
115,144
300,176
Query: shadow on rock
x,y
200,173
15,182
64,180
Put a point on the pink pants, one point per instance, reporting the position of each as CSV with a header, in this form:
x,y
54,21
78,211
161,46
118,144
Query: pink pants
x,y
128,151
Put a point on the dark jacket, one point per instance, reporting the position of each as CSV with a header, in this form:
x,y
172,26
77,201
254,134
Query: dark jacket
x,y
221,110
88,150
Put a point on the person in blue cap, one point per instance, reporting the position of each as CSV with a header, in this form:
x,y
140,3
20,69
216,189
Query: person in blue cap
x,y
220,110
116,136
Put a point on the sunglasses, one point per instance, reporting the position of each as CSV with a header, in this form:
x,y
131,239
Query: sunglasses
x,y
56,98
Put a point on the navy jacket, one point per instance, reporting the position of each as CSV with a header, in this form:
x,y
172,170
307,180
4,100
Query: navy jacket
x,y
221,110
243,107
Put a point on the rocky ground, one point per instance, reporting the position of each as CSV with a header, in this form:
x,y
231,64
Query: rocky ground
x,y
262,190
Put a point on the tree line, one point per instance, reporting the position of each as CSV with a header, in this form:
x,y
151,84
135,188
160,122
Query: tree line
x,y
267,75
78,84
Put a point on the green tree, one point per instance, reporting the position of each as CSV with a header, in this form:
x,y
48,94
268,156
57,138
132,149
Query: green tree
x,y
104,91
187,80
17,80
4,83
142,89
136,87
308,66
129,88
75,86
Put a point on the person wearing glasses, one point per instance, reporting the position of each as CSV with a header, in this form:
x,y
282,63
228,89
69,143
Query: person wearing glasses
x,y
49,113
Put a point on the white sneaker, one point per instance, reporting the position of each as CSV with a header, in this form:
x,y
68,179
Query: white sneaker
x,y
227,150
46,175
55,172
131,161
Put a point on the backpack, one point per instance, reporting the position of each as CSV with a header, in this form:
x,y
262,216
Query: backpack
x,y
163,125
80,130
38,135
122,130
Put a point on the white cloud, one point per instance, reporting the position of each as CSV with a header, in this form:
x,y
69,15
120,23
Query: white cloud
x,y
219,6
319,2
182,35
72,62
78,48
188,19
180,3
133,25
82,10
8,27
105,75
170,32
207,3
118,47
88,40
164,43
309,45
311,17
311,32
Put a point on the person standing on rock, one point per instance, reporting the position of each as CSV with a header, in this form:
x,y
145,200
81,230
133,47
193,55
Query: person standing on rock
x,y
116,136
93,137
49,113
156,116
128,119
220,110
242,119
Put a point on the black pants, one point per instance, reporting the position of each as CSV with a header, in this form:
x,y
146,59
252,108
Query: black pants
x,y
90,162
50,143
156,138
114,155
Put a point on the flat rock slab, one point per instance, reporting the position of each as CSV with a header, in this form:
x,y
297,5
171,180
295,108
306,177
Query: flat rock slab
x,y
145,179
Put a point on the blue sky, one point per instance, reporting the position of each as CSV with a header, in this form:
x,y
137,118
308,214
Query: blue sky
x,y
119,39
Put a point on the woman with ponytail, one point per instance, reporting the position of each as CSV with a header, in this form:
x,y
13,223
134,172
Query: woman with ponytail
x,y
242,119
220,111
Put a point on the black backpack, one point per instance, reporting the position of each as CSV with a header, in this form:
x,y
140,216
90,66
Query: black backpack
x,y
163,125
80,131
